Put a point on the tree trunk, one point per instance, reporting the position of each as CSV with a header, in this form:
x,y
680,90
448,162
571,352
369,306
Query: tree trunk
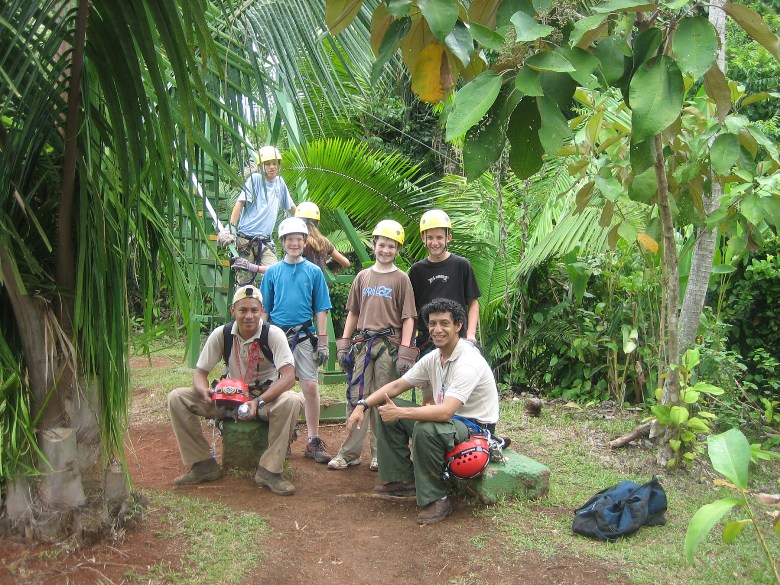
x,y
706,239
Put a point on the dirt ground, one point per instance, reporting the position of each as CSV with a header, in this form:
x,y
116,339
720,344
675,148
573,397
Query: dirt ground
x,y
334,530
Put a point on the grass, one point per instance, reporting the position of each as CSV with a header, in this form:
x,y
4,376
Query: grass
x,y
205,526
572,442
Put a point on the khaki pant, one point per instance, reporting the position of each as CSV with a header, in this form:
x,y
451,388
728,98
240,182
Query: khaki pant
x,y
379,371
262,254
187,406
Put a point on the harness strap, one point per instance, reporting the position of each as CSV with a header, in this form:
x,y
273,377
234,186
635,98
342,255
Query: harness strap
x,y
369,337
298,332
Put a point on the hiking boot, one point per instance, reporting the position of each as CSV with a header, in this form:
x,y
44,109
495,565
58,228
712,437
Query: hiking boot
x,y
202,471
374,465
274,482
435,511
396,488
338,462
507,440
316,450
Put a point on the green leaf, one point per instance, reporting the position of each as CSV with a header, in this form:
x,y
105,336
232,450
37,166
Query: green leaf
x,y
525,158
609,187
723,269
690,396
675,445
707,388
549,61
678,415
584,64
656,94
662,413
554,130
399,8
460,43
585,25
486,37
528,29
730,456
770,208
611,58
395,32
646,46
642,156
472,102
752,23
697,425
703,520
724,153
768,145
527,81
734,528
749,207
695,45
441,16
624,6
644,186
559,87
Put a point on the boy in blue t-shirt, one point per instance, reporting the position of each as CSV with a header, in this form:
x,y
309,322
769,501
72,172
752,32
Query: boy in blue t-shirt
x,y
294,291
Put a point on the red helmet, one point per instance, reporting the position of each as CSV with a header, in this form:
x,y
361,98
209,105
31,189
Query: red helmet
x,y
469,459
230,393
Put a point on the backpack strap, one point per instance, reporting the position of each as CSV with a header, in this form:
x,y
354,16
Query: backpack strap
x,y
227,334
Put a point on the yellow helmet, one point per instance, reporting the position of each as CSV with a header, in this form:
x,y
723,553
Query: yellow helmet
x,y
435,218
390,229
308,210
267,153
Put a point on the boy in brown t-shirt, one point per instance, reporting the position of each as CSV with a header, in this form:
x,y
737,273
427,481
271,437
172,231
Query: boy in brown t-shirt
x,y
382,311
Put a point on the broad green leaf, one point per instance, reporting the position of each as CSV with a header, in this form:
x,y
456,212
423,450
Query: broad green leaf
x,y
486,37
483,12
656,94
646,45
733,529
611,58
399,8
675,445
662,413
717,87
624,6
549,61
606,220
730,456
674,4
339,14
609,187
723,269
584,26
754,25
628,233
559,87
542,5
724,153
584,64
395,32
703,520
583,196
691,358
527,81
749,207
707,388
695,45
690,396
767,144
441,16
678,415
758,97
554,130
486,140
525,158
697,425
642,156
644,186
770,208
380,23
460,43
472,102
508,8
528,29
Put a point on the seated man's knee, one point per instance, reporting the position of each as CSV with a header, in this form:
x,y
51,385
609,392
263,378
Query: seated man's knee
x,y
425,429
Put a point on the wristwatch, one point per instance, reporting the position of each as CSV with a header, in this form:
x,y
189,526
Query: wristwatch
x,y
362,403
260,404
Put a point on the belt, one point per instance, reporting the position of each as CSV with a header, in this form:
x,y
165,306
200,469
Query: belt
x,y
261,237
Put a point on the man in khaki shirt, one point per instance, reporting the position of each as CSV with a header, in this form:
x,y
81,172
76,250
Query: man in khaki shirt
x,y
276,403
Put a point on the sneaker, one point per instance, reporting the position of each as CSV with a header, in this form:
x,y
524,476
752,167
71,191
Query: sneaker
x,y
374,465
435,511
338,462
316,450
200,472
396,488
274,482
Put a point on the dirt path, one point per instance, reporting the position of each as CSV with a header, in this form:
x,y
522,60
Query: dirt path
x,y
332,531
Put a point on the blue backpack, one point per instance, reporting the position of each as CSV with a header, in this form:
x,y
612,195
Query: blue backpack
x,y
620,510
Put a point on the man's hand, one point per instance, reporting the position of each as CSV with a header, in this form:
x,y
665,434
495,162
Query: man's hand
x,y
225,238
355,419
323,352
407,355
252,411
342,349
389,412
244,264
204,391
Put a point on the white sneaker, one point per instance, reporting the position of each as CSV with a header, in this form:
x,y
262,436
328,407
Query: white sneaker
x,y
374,465
338,462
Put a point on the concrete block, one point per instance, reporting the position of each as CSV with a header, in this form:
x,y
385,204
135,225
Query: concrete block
x,y
517,477
242,443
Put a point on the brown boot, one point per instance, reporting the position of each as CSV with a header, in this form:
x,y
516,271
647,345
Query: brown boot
x,y
396,488
435,511
202,471
274,482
